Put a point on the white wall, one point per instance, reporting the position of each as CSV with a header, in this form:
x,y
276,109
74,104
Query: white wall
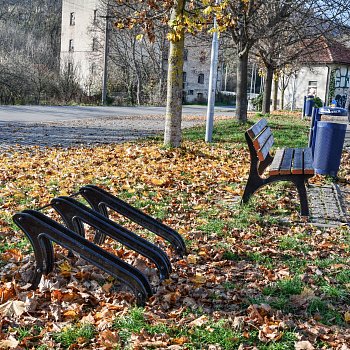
x,y
307,78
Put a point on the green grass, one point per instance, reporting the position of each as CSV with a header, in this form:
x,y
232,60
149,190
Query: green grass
x,y
70,335
261,259
293,243
212,332
343,276
325,312
23,245
285,287
287,132
228,255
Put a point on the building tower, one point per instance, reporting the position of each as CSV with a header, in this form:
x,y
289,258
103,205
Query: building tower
x,y
82,42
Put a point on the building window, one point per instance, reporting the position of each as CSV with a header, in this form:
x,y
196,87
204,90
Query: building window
x,y
70,68
199,97
72,19
93,68
71,45
201,78
94,44
312,89
184,77
185,54
202,57
190,92
95,17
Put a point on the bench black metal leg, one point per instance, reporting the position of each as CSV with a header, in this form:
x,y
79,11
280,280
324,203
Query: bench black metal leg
x,y
253,184
100,200
304,206
40,229
256,169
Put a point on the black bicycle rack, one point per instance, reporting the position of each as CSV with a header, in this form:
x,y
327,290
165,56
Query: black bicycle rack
x,y
100,200
41,230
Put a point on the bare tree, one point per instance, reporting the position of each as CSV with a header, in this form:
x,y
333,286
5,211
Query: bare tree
x,y
301,29
29,33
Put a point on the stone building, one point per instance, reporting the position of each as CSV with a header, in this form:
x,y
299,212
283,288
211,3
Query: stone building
x,y
196,71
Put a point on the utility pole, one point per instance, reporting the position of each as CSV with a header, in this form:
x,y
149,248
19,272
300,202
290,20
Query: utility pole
x,y
212,83
105,60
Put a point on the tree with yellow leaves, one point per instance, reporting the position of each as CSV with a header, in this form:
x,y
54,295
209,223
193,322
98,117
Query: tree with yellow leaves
x,y
181,16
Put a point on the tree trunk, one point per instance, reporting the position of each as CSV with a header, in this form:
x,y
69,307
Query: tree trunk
x,y
172,134
267,91
242,80
275,93
138,89
282,97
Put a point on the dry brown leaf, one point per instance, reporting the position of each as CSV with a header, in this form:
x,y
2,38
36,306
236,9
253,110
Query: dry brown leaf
x,y
7,293
70,314
159,182
303,345
198,322
199,278
12,255
109,339
12,308
180,341
9,343
191,259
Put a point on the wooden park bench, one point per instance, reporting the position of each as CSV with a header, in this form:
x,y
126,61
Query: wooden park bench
x,y
288,164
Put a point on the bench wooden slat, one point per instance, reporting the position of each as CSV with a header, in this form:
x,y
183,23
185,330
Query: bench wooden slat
x,y
276,163
308,161
297,165
261,139
256,129
264,151
287,161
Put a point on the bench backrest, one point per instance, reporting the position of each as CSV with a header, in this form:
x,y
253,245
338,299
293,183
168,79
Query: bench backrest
x,y
261,137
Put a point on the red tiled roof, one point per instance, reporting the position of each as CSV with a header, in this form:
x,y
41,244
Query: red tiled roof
x,y
326,52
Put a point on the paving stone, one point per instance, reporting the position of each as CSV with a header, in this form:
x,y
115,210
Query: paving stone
x,y
329,205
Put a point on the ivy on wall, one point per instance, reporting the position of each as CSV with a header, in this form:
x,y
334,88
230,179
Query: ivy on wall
x,y
331,88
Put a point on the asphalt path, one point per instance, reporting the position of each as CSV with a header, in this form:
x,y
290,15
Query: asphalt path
x,y
62,113
68,126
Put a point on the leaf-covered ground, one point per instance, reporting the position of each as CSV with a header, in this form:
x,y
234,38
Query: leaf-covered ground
x,y
256,277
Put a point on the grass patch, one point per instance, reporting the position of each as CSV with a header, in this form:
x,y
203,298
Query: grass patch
x,y
293,243
70,335
285,287
219,332
324,312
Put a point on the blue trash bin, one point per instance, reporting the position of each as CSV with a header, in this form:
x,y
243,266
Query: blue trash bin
x,y
335,111
309,104
328,147
315,118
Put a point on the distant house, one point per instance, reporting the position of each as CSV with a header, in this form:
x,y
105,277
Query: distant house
x,y
325,72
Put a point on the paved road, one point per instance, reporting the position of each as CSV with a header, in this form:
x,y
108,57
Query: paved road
x,y
75,125
62,113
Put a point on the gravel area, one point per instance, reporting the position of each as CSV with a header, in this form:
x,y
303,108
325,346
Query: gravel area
x,y
89,132
95,131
